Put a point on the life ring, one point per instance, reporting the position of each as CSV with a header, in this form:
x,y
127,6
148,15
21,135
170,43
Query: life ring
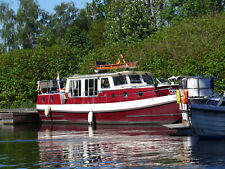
x,y
185,97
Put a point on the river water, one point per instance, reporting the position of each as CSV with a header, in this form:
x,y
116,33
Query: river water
x,y
110,146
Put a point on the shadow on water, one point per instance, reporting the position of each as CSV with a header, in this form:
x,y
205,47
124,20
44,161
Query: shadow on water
x,y
209,152
105,146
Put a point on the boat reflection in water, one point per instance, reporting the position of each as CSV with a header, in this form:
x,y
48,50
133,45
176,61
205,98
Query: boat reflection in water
x,y
74,146
111,146
209,153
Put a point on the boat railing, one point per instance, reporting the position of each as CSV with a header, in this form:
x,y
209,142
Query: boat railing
x,y
121,96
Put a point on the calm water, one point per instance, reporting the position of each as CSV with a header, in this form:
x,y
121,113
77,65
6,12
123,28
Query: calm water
x,y
80,146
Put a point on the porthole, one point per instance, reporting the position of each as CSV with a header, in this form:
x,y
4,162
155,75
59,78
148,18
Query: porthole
x,y
125,94
52,98
113,96
43,99
140,94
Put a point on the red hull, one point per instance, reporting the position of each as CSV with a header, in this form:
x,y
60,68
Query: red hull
x,y
167,113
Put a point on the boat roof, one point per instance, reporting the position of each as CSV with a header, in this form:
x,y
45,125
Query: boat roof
x,y
108,74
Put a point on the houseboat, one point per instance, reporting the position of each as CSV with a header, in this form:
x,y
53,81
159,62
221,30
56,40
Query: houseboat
x,y
125,97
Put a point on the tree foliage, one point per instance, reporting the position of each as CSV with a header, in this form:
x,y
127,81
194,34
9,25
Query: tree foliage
x,y
20,70
28,23
176,9
64,16
31,26
96,33
8,30
78,39
128,20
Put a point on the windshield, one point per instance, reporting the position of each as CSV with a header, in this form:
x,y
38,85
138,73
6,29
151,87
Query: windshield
x,y
147,79
119,80
135,78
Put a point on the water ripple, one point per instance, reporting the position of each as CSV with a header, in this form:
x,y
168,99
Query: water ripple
x,y
73,146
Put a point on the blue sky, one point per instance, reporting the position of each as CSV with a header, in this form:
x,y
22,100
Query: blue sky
x,y
48,5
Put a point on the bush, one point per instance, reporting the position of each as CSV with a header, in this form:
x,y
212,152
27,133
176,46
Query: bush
x,y
195,46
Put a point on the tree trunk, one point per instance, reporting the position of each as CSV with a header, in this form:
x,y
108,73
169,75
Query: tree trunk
x,y
149,7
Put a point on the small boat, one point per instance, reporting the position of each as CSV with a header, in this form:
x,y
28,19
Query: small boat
x,y
208,119
125,97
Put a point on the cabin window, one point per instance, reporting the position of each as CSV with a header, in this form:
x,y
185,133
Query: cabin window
x,y
119,80
54,86
52,98
43,99
105,83
212,102
135,79
147,79
62,84
140,94
125,94
91,87
113,95
75,87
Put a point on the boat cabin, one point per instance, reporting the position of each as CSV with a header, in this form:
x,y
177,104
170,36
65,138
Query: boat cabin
x,y
100,88
91,85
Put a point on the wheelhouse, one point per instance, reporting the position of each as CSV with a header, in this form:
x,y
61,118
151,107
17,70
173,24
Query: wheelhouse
x,y
90,86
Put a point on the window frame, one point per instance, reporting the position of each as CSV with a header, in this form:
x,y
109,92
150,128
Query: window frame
x,y
131,82
101,84
87,87
118,76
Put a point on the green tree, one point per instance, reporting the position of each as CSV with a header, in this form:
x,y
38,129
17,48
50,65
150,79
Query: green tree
x,y
78,38
63,18
97,9
177,10
47,38
82,21
22,29
130,16
96,33
29,21
8,30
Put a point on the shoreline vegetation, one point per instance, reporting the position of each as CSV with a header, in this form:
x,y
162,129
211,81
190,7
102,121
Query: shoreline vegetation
x,y
193,44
